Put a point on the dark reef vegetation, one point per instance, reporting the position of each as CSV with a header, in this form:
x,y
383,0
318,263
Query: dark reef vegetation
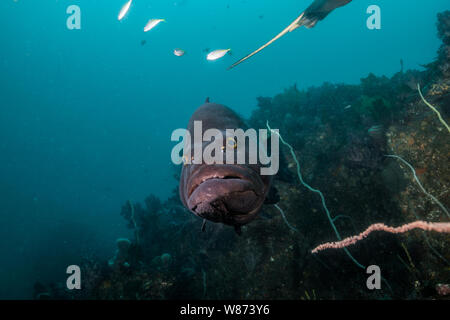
x,y
341,134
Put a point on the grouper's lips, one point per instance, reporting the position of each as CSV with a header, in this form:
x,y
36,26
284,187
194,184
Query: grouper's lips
x,y
230,194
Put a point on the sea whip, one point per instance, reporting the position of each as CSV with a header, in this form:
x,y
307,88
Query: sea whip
x,y
443,227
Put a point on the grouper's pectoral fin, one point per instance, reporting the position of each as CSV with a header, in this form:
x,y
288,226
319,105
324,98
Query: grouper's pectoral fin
x,y
203,228
294,25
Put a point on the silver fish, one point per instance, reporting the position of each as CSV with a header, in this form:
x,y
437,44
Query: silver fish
x,y
124,10
217,54
179,52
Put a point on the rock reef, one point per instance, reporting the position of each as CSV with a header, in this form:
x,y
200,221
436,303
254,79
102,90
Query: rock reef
x,y
341,135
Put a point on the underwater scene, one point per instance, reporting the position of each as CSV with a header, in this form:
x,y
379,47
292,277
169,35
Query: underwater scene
x,y
224,150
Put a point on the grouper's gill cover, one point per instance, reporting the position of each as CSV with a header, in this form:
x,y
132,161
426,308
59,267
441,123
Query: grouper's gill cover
x,y
232,194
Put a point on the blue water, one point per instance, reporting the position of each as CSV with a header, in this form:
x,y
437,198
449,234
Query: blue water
x,y
86,115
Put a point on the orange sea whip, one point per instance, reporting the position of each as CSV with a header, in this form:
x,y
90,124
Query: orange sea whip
x,y
443,227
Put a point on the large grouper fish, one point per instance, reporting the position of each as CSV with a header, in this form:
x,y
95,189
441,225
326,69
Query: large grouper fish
x,y
232,194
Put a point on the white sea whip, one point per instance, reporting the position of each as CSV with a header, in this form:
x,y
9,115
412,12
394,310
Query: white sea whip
x,y
300,177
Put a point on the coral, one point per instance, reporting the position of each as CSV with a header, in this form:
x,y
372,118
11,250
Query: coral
x,y
420,184
340,135
427,226
153,203
443,289
433,108
443,26
285,219
122,257
300,177
162,262
362,152
375,107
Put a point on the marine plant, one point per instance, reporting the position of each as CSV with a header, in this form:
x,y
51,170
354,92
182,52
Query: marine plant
x,y
376,107
322,198
443,227
420,184
433,108
285,219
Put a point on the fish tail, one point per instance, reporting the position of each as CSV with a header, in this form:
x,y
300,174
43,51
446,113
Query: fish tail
x,y
294,25
303,20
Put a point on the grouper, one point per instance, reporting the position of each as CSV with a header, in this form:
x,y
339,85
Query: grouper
x,y
317,11
232,194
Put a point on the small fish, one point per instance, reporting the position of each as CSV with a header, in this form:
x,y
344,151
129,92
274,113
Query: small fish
x,y
348,107
217,54
152,23
143,42
124,10
179,52
376,131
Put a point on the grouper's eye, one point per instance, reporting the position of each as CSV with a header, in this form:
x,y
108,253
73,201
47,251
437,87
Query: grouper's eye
x,y
186,160
231,143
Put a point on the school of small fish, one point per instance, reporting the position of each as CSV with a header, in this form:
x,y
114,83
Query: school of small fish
x,y
152,23
317,11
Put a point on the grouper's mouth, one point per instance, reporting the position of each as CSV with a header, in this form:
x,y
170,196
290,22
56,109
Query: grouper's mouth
x,y
230,194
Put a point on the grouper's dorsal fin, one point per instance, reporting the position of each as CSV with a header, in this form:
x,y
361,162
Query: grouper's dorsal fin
x,y
294,25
